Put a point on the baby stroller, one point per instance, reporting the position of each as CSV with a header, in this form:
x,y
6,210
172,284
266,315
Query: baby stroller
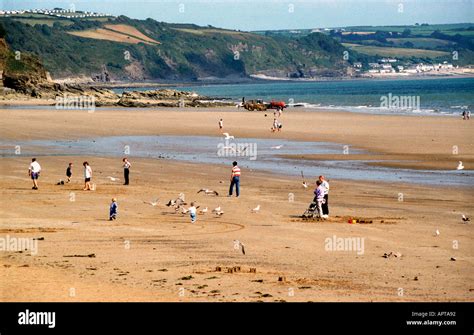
x,y
311,212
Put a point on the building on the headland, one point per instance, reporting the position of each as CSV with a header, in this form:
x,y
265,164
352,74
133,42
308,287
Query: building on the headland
x,y
388,60
445,66
357,65
374,65
386,68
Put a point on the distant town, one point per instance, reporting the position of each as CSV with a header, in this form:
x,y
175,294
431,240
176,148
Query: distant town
x,y
387,66
56,12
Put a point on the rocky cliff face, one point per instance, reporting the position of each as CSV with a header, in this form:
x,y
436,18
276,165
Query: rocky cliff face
x,y
23,76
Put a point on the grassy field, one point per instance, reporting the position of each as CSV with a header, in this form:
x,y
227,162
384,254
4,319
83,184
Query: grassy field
x,y
116,33
421,42
130,31
49,22
418,30
394,52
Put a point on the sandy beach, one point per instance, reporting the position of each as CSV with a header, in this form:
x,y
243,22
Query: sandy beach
x,y
155,254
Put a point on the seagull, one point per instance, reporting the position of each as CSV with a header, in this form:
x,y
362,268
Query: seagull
x,y
241,151
241,245
465,219
228,137
304,182
277,146
208,191
176,203
437,232
153,203
460,166
219,213
113,179
184,210
203,211
217,209
256,209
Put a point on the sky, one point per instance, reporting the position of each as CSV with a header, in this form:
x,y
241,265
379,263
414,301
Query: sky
x,y
250,15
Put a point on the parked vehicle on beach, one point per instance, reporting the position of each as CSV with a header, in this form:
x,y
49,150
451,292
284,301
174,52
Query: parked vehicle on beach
x,y
259,105
253,105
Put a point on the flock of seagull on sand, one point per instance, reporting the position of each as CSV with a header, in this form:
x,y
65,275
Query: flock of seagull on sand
x,y
179,204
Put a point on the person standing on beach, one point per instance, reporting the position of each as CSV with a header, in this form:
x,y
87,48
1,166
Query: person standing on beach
x,y
113,211
325,205
34,171
319,198
235,180
221,124
126,170
87,176
275,125
69,173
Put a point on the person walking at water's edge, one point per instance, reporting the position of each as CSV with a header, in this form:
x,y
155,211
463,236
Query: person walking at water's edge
x,y
87,176
34,171
235,180
126,170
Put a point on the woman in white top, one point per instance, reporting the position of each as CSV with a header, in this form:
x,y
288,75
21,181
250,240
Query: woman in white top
x,y
87,176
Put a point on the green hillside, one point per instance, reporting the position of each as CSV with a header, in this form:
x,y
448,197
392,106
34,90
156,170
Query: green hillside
x,y
410,43
182,52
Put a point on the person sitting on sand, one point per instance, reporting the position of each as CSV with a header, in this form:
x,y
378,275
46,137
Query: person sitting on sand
x,y
34,172
113,212
69,173
319,197
192,212
87,176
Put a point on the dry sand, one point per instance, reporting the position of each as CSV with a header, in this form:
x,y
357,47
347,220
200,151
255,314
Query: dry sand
x,y
153,254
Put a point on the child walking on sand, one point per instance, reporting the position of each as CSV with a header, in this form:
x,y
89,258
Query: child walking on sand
x,y
113,209
192,212
221,124
69,173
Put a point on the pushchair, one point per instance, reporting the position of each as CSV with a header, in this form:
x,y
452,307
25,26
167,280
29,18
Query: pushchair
x,y
311,212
